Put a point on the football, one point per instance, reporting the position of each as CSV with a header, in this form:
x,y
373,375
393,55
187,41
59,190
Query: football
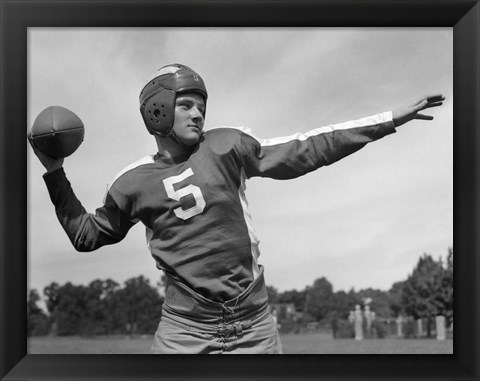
x,y
57,132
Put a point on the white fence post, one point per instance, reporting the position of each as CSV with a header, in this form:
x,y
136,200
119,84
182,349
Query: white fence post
x,y
440,327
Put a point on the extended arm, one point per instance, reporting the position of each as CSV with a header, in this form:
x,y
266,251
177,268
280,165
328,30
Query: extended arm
x,y
292,156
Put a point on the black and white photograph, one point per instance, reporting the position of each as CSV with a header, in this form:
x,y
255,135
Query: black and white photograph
x,y
198,190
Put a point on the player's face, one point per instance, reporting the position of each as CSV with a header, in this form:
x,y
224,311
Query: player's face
x,y
188,123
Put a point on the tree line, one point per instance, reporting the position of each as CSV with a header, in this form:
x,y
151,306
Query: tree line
x,y
104,307
424,294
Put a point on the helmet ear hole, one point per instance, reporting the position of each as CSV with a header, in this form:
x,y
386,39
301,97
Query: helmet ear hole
x,y
156,113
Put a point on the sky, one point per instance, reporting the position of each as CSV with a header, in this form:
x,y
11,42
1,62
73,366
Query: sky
x,y
362,222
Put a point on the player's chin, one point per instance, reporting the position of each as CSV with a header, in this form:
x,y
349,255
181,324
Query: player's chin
x,y
191,139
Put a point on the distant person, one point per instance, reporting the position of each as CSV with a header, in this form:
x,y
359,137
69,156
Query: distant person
x,y
358,323
275,317
190,197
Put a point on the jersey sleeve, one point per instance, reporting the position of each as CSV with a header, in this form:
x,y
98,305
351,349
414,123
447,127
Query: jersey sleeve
x,y
86,231
292,156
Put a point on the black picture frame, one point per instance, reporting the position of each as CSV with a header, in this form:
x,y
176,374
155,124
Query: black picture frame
x,y
17,16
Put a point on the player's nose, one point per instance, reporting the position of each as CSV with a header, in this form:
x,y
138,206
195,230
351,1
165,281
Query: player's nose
x,y
196,114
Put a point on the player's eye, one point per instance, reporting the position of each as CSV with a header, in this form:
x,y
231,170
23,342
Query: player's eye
x,y
183,103
183,106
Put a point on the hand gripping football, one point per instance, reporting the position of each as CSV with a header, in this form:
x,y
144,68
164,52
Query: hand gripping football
x,y
57,132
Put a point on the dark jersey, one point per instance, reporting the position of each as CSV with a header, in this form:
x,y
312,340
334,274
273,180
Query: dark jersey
x,y
198,226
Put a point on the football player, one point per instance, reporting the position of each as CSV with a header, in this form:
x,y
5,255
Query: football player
x,y
190,196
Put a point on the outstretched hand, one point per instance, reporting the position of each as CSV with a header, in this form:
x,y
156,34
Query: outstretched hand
x,y
411,111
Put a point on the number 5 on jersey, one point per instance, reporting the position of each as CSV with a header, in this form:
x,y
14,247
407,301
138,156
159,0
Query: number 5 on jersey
x,y
185,191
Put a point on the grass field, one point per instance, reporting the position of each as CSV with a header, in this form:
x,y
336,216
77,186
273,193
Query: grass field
x,y
315,343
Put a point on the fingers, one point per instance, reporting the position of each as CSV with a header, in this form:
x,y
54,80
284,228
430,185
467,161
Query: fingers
x,y
429,102
434,98
35,149
423,117
407,113
32,144
430,99
434,104
30,140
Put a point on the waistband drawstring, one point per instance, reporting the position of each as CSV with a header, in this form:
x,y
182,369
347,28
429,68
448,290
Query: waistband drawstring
x,y
237,327
228,310
241,325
